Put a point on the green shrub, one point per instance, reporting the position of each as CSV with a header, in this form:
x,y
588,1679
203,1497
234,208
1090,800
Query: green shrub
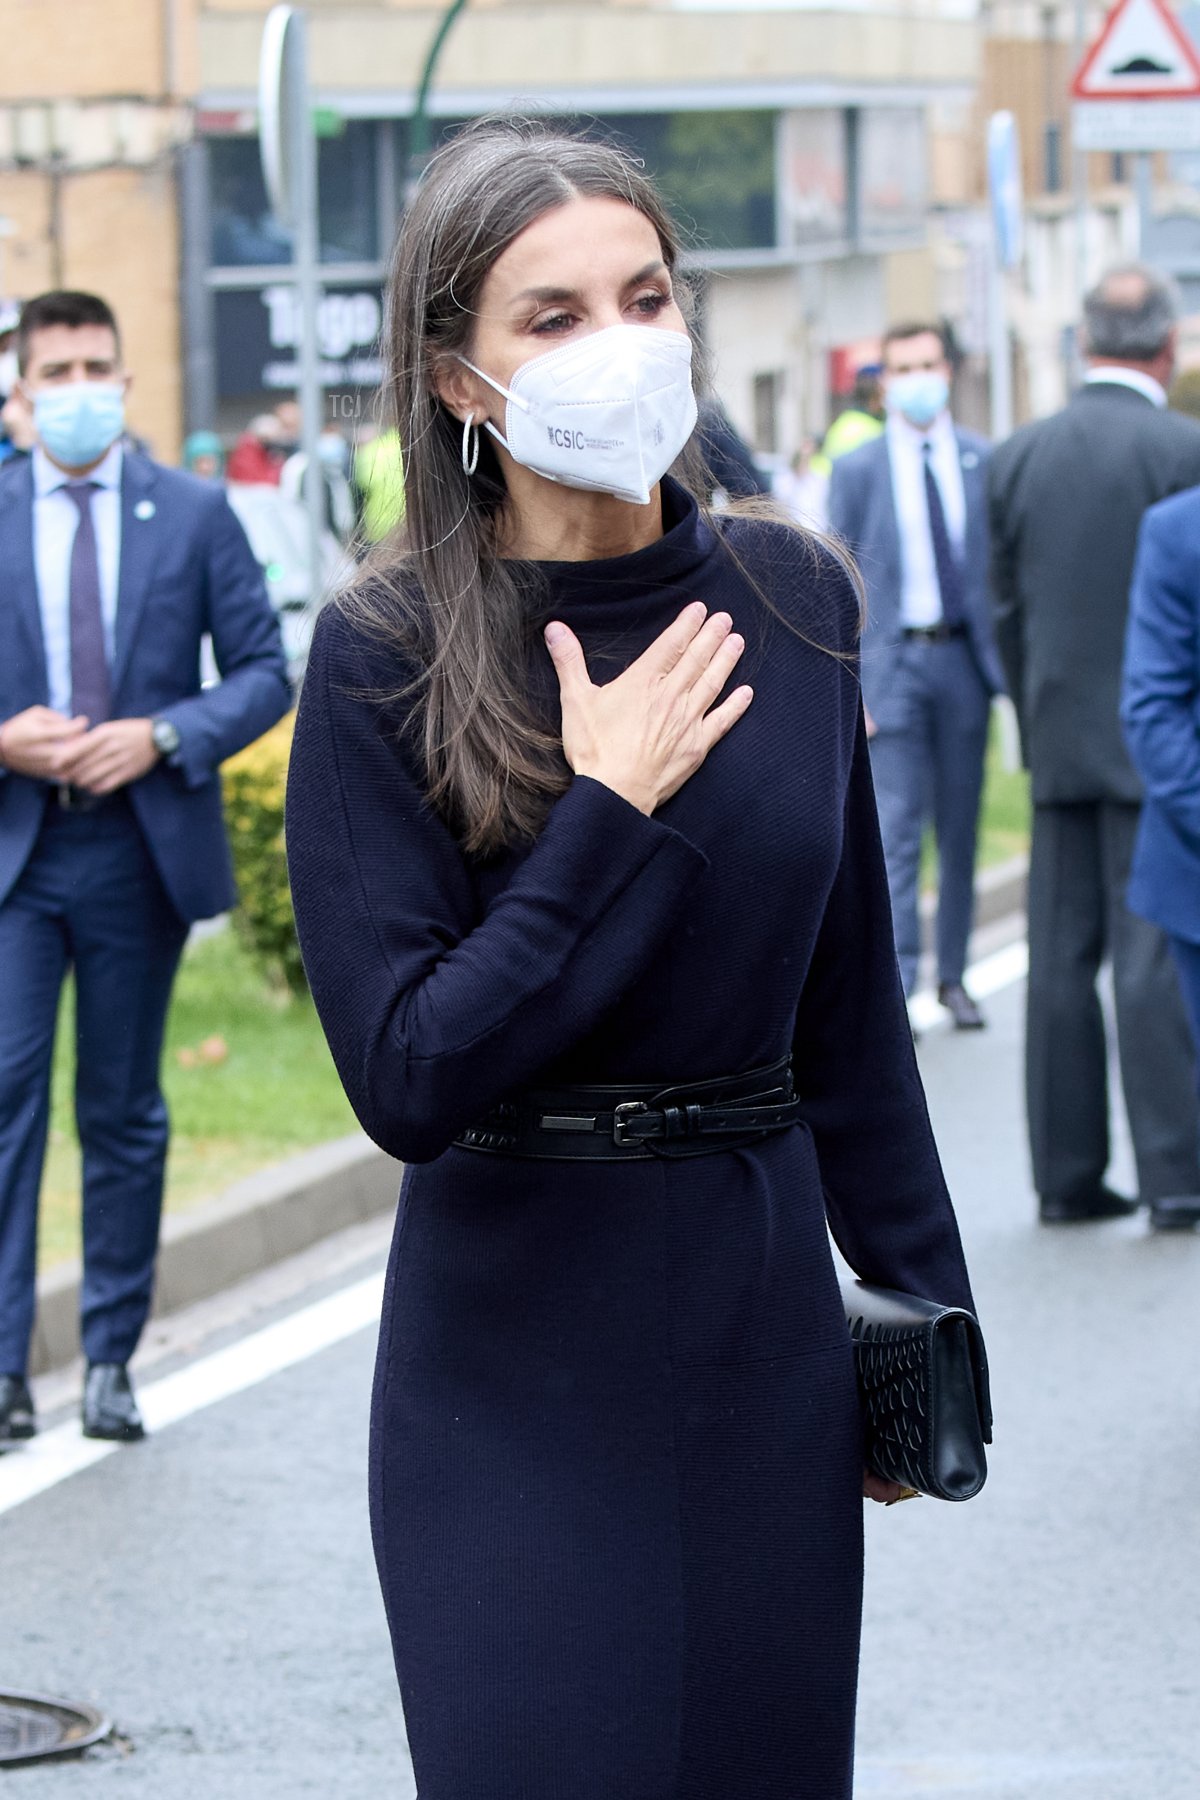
x,y
254,782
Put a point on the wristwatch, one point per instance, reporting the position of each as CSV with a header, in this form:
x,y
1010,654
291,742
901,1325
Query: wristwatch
x,y
164,736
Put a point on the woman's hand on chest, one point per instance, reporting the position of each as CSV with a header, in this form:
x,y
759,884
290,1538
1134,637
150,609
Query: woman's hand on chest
x,y
650,728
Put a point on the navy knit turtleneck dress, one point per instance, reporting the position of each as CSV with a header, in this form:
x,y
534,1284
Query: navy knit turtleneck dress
x,y
616,1462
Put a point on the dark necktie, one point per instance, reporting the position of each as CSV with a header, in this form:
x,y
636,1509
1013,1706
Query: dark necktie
x,y
91,692
949,569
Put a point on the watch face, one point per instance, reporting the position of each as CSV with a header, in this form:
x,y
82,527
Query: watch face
x,y
165,737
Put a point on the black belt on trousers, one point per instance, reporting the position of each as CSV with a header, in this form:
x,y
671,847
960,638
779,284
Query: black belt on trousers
x,y
941,633
81,800
614,1121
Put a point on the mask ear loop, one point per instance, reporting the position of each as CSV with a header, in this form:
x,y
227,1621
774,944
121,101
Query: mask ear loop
x,y
470,449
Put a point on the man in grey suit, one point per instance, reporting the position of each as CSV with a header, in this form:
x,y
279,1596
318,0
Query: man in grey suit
x,y
911,506
1067,495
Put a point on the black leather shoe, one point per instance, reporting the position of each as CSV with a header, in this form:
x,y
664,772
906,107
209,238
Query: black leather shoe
x,y
1175,1212
109,1408
959,1004
16,1409
1078,1209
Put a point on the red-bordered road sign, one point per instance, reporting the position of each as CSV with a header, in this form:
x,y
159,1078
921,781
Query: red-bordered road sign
x,y
1142,53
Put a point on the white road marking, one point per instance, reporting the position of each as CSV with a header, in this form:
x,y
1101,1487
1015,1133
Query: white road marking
x,y
994,972
30,1469
51,1457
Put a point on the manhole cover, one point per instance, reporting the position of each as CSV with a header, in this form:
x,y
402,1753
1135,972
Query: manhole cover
x,y
34,1726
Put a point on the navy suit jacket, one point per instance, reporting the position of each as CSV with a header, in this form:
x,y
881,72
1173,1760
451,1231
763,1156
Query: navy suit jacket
x,y
862,512
1160,711
186,569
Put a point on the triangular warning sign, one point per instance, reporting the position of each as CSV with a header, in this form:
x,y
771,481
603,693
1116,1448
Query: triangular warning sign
x,y
1141,54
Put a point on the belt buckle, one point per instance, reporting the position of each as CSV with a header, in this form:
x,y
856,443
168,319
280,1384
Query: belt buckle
x,y
622,1113
64,798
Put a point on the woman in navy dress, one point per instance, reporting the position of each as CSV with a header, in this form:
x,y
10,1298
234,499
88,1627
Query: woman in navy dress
x,y
616,1459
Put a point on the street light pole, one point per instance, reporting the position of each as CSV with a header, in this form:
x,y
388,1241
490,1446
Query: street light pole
x,y
289,161
419,134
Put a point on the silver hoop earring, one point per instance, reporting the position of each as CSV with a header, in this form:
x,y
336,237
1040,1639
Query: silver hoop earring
x,y
470,450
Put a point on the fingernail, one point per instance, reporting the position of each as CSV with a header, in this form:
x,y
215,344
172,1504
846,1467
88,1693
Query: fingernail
x,y
555,631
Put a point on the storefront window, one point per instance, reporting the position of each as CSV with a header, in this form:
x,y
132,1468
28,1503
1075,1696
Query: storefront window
x,y
893,178
244,232
716,170
815,186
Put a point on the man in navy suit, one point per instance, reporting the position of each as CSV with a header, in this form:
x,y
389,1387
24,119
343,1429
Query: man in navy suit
x,y
912,507
112,571
1160,711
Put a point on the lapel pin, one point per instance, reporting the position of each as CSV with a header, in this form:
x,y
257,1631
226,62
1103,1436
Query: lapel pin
x,y
970,459
144,509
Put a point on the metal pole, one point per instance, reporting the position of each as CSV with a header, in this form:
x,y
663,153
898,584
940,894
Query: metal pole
x,y
999,349
306,259
419,135
199,346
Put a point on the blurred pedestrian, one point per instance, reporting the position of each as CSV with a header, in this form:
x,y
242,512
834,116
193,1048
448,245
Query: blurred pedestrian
x,y
17,435
1161,714
260,452
1183,395
379,479
333,455
10,313
616,1444
1068,495
912,506
204,456
803,487
112,571
291,423
862,420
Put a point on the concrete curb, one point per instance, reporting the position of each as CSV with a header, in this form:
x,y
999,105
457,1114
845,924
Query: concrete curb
x,y
285,1209
255,1223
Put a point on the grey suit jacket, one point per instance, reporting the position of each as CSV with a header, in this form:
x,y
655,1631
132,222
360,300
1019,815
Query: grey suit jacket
x,y
862,512
1067,498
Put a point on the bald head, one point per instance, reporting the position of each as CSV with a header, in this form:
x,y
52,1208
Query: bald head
x,y
1129,317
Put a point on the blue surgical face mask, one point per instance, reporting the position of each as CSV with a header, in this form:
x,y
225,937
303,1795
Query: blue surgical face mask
x,y
920,395
77,422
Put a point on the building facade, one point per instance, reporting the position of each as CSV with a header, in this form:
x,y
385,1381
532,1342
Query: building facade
x,y
803,147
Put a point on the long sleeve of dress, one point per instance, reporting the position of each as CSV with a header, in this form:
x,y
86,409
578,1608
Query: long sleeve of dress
x,y
432,1012
856,1071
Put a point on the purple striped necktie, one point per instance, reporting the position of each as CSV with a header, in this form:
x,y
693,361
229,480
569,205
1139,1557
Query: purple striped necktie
x,y
949,570
91,687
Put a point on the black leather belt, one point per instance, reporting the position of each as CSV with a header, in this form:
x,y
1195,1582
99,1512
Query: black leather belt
x,y
941,633
612,1122
82,800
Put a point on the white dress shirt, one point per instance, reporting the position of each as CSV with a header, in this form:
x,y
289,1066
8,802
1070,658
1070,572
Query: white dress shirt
x,y
1137,379
55,522
920,594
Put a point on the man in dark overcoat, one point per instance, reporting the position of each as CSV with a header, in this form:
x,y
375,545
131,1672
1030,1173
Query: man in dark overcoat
x,y
1067,496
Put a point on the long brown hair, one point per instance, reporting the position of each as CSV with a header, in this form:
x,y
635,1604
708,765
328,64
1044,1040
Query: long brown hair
x,y
438,589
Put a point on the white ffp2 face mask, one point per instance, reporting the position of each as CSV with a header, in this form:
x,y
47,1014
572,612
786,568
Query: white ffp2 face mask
x,y
609,412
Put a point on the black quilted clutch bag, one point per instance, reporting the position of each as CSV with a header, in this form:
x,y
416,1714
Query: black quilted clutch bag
x,y
923,1379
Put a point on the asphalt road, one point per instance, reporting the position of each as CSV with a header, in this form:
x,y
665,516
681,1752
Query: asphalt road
x,y
213,1588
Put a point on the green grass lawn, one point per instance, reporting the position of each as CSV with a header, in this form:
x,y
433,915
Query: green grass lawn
x,y
275,1092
